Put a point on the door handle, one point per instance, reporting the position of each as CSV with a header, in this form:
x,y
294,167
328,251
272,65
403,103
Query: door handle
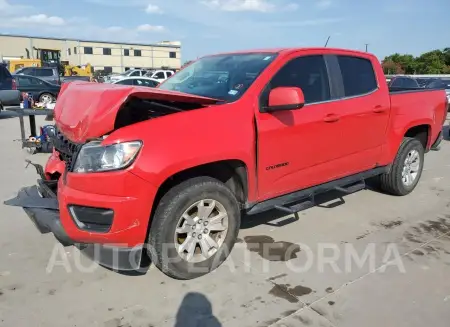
x,y
379,109
331,118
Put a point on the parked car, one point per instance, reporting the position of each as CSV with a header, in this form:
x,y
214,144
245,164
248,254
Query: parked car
x,y
422,81
65,79
404,82
9,95
41,90
138,81
178,164
439,83
49,74
160,75
128,73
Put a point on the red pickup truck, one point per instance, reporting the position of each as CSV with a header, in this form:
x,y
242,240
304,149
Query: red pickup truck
x,y
169,171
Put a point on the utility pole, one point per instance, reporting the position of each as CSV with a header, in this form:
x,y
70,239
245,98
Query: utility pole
x,y
367,44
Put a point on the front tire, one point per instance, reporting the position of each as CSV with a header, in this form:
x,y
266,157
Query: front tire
x,y
194,228
46,98
406,170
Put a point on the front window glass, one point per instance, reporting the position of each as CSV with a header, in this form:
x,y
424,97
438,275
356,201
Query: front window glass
x,y
223,77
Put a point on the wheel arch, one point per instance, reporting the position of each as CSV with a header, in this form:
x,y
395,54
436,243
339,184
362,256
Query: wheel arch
x,y
422,133
233,173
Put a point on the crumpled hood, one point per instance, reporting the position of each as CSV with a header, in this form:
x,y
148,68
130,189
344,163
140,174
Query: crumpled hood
x,y
86,111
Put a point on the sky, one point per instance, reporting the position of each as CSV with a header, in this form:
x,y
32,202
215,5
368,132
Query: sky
x,y
210,26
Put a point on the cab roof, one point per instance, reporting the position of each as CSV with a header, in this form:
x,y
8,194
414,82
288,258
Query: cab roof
x,y
290,50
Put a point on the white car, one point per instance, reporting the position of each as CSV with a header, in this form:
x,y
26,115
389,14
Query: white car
x,y
137,81
160,75
128,73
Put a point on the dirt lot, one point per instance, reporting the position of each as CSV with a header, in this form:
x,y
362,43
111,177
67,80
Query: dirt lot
x,y
325,280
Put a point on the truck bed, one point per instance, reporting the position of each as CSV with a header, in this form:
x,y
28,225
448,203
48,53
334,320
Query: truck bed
x,y
416,105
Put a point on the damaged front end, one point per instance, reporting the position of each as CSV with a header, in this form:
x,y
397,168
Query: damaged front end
x,y
40,201
41,205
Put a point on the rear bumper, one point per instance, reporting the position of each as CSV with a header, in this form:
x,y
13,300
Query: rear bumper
x,y
44,213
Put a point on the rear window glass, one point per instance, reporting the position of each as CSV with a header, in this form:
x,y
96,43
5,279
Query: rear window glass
x,y
4,73
404,82
44,72
358,75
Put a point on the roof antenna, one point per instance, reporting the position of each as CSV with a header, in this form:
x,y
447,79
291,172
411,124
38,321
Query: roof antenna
x,y
326,43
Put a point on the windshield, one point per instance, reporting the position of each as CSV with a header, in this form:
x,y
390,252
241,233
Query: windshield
x,y
223,77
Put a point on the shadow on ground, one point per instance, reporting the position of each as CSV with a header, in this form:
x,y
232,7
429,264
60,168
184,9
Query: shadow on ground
x,y
196,311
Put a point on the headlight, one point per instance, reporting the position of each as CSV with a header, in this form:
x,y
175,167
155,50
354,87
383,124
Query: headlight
x,y
94,157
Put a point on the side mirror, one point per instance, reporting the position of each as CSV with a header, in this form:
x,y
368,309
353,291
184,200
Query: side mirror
x,y
285,98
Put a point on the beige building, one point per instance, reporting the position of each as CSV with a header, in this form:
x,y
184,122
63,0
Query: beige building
x,y
113,57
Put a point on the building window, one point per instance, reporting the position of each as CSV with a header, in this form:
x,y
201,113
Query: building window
x,y
137,53
107,69
126,52
74,50
172,54
127,68
68,51
107,51
88,50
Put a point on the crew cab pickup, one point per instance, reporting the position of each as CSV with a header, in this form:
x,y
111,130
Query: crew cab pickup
x,y
167,172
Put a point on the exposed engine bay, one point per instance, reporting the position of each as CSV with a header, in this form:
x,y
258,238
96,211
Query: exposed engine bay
x,y
136,110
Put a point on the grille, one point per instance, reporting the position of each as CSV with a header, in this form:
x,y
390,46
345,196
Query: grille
x,y
67,149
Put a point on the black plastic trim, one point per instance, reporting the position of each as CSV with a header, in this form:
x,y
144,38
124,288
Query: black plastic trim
x,y
285,107
91,219
115,258
438,141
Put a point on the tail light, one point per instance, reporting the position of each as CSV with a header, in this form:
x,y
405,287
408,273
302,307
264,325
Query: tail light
x,y
14,84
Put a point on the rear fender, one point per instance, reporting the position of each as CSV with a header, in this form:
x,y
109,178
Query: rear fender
x,y
396,135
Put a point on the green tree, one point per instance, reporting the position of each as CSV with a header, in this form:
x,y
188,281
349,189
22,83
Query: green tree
x,y
406,62
447,56
390,67
432,62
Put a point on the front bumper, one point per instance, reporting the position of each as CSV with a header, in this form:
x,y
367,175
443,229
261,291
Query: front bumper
x,y
42,206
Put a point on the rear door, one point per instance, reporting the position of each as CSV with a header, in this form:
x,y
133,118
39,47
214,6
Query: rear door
x,y
160,76
47,74
363,109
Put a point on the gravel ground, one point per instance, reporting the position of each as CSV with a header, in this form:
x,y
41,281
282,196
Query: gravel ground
x,y
317,274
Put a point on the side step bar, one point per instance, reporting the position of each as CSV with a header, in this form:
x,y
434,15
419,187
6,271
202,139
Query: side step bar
x,y
352,188
296,207
304,199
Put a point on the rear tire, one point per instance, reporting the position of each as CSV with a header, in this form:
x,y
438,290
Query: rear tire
x,y
166,246
406,170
